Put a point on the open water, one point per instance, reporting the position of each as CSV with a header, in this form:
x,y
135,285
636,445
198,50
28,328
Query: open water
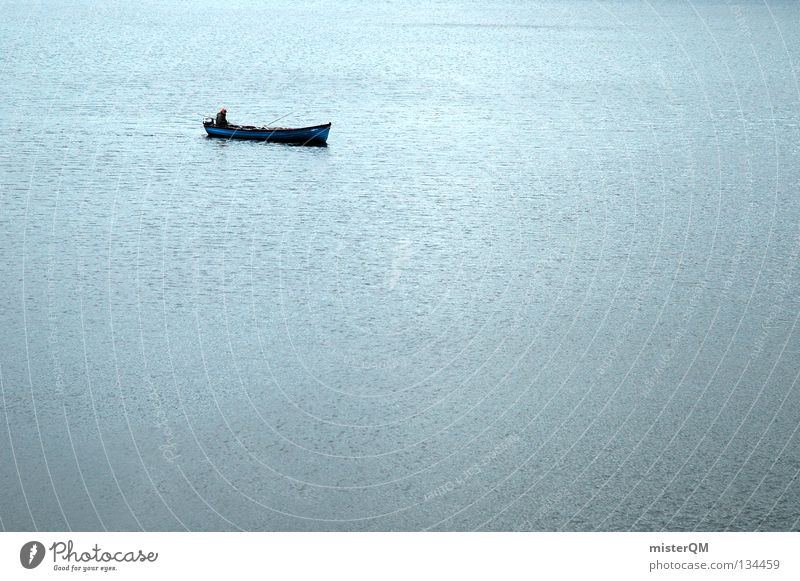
x,y
544,276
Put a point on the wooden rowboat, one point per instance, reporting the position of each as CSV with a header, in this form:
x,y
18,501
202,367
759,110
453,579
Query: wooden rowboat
x,y
315,135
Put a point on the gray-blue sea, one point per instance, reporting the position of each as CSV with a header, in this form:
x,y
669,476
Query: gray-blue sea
x,y
543,277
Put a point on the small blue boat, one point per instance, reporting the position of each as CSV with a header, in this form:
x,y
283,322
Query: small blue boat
x,y
315,135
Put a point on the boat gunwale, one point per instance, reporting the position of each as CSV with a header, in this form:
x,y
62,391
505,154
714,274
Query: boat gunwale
x,y
254,128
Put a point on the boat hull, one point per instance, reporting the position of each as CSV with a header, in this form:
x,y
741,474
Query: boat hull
x,y
315,135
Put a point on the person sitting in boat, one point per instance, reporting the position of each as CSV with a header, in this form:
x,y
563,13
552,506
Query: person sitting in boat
x,y
221,120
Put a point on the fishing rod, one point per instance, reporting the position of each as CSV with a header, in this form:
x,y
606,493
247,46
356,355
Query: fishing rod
x,y
267,125
278,119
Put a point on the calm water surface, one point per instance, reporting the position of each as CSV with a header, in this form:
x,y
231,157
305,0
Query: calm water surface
x,y
544,276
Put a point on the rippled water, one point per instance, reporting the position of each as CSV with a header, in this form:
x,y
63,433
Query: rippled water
x,y
544,276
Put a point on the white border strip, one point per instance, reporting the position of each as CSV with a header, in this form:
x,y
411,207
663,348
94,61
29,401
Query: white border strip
x,y
406,556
